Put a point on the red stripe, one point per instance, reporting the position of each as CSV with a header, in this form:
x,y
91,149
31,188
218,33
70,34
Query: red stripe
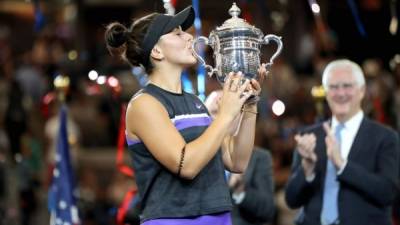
x,y
121,146
124,207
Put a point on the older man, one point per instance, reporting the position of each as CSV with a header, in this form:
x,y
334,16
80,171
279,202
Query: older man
x,y
344,170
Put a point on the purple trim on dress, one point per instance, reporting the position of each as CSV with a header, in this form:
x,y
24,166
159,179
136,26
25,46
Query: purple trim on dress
x,y
131,142
213,219
192,122
181,124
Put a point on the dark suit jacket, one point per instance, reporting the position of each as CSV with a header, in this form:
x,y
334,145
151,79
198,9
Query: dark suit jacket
x,y
368,184
258,205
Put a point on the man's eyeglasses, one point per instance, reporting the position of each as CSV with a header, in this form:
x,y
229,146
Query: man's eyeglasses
x,y
344,86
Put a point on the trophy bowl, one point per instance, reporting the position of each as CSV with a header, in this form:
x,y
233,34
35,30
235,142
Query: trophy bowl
x,y
236,47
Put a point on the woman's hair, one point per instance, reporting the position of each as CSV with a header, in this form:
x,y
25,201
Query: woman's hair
x,y
127,43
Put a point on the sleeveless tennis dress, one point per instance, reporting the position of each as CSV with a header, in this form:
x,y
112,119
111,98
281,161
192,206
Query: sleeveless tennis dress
x,y
167,199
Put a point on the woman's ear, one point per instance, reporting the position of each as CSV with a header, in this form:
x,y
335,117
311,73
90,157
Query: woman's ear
x,y
156,53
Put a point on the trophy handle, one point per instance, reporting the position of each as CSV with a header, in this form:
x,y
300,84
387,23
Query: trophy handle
x,y
277,39
209,68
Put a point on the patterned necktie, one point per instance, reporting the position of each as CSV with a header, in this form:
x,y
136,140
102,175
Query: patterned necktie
x,y
329,214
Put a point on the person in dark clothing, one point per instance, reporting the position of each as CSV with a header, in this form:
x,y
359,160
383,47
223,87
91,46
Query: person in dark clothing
x,y
15,118
345,171
253,191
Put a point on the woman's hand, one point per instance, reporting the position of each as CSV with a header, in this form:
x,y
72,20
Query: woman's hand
x,y
254,86
234,95
213,104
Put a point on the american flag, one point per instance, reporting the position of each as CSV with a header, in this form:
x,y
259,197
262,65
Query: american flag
x,y
61,202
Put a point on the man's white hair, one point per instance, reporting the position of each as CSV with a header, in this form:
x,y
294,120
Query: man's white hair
x,y
356,71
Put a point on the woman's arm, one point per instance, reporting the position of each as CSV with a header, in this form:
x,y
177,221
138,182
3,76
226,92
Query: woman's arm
x,y
148,121
237,149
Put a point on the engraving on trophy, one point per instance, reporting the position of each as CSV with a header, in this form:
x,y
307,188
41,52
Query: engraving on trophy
x,y
236,47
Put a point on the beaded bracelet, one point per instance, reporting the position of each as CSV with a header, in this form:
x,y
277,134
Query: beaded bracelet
x,y
181,162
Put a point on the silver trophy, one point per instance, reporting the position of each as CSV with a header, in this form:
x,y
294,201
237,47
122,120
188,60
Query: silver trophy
x,y
236,46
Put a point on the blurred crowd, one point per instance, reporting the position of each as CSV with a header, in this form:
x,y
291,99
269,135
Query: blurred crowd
x,y
29,106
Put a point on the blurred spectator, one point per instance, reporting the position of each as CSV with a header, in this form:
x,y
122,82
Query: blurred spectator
x,y
337,180
6,57
29,177
4,154
380,86
253,191
31,80
15,118
396,93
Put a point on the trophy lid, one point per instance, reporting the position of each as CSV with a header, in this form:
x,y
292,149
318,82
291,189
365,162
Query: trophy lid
x,y
236,23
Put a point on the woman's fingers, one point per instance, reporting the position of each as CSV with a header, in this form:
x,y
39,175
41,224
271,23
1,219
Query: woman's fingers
x,y
262,73
243,92
236,82
234,94
228,82
246,95
255,86
244,86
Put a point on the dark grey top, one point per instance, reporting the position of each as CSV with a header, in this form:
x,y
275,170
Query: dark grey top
x,y
165,195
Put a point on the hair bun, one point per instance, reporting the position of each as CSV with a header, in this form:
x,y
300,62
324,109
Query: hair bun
x,y
116,35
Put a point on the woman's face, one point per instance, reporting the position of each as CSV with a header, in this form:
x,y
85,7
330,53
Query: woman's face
x,y
176,47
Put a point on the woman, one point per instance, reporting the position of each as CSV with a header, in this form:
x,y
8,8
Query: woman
x,y
179,153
